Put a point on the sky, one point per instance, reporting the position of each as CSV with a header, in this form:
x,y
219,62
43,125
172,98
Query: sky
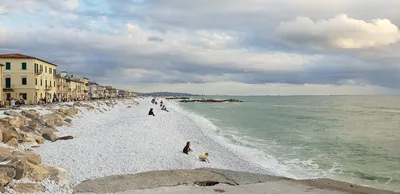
x,y
230,47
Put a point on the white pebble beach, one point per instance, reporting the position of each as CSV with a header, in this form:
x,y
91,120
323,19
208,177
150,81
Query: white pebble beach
x,y
126,140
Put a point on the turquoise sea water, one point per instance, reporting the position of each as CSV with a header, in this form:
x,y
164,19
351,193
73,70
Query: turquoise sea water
x,y
350,138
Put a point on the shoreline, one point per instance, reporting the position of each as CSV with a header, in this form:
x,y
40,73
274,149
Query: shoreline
x,y
118,122
218,180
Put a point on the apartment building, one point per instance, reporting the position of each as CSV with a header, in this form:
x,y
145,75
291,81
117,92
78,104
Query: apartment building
x,y
62,87
29,78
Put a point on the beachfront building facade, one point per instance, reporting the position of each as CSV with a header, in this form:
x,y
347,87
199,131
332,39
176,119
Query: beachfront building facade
x,y
77,86
95,91
29,78
62,87
1,84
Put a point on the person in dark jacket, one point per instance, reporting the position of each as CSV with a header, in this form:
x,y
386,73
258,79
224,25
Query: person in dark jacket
x,y
151,112
187,149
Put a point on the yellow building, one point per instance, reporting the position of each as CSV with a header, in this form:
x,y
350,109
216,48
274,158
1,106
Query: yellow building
x,y
27,77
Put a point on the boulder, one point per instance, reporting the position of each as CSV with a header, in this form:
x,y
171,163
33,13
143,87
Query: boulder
x,y
12,142
39,122
11,113
68,120
27,188
58,175
4,179
30,156
3,190
58,112
24,168
30,114
9,170
10,134
5,156
5,122
50,137
18,121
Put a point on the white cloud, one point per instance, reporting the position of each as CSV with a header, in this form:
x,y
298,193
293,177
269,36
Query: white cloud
x,y
2,9
71,4
339,32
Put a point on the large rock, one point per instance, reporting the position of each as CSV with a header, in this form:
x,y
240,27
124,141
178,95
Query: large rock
x,y
5,122
50,137
18,121
68,120
30,114
9,170
4,156
29,170
58,175
4,179
30,156
12,142
11,113
28,188
69,112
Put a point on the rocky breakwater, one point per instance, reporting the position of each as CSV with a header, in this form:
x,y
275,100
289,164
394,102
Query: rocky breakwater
x,y
21,170
210,100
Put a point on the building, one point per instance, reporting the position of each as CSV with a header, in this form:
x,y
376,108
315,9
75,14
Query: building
x,y
62,87
27,77
94,91
1,84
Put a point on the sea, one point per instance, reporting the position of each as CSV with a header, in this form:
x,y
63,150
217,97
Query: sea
x,y
348,138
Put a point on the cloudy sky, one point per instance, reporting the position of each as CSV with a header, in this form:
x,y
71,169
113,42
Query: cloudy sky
x,y
258,47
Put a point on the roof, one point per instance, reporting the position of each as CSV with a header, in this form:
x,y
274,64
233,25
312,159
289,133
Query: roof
x,y
21,56
92,83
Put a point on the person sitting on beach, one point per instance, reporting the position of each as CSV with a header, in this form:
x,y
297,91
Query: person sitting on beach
x,y
151,112
164,108
187,149
204,157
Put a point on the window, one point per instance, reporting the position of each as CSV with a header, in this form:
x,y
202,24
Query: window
x,y
45,69
24,81
8,96
50,83
8,82
24,96
54,83
36,81
45,83
41,68
41,82
50,70
8,65
36,68
24,66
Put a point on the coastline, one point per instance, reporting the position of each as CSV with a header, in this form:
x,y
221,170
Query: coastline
x,y
119,138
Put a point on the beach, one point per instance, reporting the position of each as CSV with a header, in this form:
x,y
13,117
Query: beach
x,y
118,148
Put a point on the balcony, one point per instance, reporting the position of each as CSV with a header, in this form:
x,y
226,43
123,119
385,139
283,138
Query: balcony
x,y
39,72
9,87
48,88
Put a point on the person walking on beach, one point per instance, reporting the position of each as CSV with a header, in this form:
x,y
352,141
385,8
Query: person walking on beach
x,y
187,149
204,157
151,112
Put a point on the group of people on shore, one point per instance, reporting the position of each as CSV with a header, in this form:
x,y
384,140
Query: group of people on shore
x,y
186,149
162,105
202,157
